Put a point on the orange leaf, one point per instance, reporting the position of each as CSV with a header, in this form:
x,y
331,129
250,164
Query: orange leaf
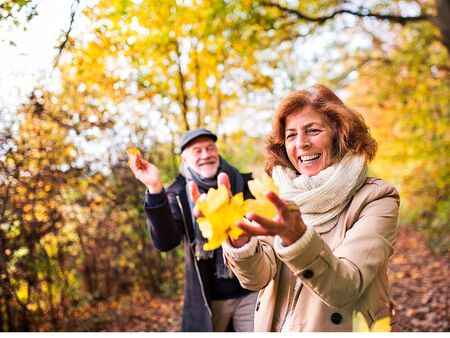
x,y
131,151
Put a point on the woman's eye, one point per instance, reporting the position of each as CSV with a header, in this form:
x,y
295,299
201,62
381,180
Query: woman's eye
x,y
313,131
290,136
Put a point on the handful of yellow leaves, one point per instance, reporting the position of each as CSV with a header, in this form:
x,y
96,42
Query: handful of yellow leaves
x,y
220,211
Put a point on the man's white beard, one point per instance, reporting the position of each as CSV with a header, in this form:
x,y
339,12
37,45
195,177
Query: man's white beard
x,y
208,173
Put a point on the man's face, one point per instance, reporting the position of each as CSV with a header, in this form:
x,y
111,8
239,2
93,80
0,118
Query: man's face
x,y
202,156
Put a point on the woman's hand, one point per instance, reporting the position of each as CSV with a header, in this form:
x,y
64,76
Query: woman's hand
x,y
288,224
147,173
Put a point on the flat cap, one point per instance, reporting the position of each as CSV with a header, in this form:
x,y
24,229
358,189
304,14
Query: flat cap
x,y
191,135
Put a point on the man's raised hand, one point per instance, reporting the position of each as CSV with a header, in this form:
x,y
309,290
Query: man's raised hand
x,y
147,173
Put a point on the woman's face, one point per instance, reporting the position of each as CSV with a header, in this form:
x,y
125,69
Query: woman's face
x,y
309,141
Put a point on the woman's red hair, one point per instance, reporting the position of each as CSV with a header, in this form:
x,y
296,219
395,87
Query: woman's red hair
x,y
350,132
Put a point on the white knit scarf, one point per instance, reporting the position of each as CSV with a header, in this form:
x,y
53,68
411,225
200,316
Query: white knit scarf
x,y
321,198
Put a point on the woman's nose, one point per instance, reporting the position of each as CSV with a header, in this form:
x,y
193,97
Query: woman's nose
x,y
303,142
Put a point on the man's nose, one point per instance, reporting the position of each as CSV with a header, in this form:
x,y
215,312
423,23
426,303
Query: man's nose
x,y
204,153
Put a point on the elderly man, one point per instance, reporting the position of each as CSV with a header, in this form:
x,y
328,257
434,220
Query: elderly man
x,y
213,296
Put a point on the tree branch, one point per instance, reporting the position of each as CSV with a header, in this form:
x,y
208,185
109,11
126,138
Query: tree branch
x,y
67,34
403,20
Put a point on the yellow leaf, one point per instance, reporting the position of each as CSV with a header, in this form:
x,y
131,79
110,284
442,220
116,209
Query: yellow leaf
x,y
259,187
131,151
262,207
382,325
238,199
205,227
235,214
261,204
214,243
359,323
235,232
215,198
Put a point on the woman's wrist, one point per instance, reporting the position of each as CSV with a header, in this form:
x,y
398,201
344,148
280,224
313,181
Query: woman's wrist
x,y
291,238
289,241
245,251
296,248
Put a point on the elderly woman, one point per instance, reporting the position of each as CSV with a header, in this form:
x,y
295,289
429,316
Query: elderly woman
x,y
326,253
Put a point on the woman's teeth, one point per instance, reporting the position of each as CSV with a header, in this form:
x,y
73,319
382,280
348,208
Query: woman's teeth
x,y
309,158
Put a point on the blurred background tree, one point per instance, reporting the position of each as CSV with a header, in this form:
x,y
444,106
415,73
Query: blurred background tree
x,y
140,73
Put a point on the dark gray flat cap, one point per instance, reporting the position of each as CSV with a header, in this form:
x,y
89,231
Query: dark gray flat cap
x,y
191,135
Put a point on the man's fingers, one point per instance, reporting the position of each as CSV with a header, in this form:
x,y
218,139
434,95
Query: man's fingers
x,y
223,179
196,211
193,191
200,198
133,163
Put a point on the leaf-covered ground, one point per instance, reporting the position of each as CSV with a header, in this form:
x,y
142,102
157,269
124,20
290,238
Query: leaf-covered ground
x,y
138,312
420,285
419,288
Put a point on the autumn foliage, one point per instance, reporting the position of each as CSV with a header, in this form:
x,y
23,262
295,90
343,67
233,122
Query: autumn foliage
x,y
74,247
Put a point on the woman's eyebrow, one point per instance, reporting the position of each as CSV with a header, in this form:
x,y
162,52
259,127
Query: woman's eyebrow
x,y
311,124
306,126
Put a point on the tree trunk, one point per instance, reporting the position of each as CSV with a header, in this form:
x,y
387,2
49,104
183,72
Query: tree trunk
x,y
442,20
182,95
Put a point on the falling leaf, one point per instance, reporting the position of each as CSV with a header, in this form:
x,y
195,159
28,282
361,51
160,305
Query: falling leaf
x,y
131,152
220,212
382,325
261,205
360,324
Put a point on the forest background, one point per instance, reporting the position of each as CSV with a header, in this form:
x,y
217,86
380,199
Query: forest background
x,y
74,249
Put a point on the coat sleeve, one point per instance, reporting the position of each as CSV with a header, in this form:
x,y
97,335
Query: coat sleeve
x,y
257,270
339,277
164,221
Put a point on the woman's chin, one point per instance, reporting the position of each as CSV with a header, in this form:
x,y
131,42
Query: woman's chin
x,y
310,170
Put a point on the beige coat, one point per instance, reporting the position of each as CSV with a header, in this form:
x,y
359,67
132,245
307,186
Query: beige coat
x,y
341,271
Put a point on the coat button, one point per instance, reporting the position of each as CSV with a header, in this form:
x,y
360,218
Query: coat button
x,y
308,274
336,318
